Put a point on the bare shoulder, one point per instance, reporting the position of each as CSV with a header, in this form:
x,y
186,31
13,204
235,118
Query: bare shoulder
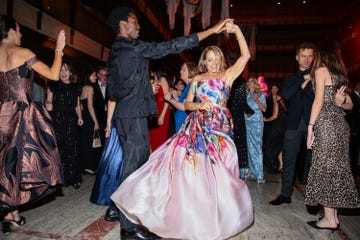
x,y
22,53
88,89
322,70
198,78
322,76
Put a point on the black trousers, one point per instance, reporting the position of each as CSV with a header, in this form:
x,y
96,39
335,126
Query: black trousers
x,y
292,143
134,140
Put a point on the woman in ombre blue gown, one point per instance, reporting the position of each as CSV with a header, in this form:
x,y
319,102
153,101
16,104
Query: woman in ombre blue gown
x,y
254,131
109,170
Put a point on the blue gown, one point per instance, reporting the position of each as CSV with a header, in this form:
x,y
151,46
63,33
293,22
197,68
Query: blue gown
x,y
109,171
254,134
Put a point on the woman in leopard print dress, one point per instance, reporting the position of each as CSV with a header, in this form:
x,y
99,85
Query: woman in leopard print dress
x,y
330,181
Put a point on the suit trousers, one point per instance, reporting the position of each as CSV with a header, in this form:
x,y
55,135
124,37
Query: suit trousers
x,y
292,142
134,140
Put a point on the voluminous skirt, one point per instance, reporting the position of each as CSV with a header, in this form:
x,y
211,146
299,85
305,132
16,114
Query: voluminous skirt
x,y
30,161
188,194
109,171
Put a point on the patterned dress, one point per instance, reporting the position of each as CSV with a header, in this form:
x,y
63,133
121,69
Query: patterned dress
x,y
29,156
254,134
190,187
330,181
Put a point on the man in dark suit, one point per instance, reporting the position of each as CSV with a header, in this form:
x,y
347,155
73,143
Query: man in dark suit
x,y
298,91
129,85
100,99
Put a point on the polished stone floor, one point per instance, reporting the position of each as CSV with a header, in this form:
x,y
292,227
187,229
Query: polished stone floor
x,y
70,216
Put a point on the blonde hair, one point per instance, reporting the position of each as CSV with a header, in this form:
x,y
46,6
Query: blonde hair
x,y
256,83
219,56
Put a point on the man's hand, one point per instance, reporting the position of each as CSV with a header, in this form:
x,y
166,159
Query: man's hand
x,y
307,79
221,26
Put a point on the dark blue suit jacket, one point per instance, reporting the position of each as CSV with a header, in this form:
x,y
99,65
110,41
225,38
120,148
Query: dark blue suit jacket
x,y
299,100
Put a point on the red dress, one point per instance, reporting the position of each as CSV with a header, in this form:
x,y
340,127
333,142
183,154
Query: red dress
x,y
159,133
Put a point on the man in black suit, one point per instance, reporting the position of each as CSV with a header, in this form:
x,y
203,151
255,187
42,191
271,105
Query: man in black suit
x,y
129,85
298,91
100,99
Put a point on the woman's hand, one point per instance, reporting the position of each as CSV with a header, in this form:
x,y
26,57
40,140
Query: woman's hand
x,y
155,87
96,126
160,120
310,137
256,96
168,96
231,27
207,106
340,96
80,121
48,106
107,132
60,42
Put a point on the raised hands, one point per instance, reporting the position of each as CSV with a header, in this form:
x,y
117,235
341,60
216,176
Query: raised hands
x,y
60,42
230,27
221,26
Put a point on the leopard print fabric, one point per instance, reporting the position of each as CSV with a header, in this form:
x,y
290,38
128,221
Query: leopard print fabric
x,y
330,180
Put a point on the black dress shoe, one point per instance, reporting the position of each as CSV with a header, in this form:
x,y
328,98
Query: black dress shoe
x,y
112,214
76,185
138,233
312,210
314,225
280,200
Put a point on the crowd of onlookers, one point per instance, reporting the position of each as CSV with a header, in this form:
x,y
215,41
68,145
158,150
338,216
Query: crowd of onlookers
x,y
78,106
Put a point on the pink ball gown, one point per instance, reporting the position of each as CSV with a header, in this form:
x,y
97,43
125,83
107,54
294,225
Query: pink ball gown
x,y
190,186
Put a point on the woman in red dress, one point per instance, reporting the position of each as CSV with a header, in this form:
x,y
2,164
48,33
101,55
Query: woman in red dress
x,y
159,125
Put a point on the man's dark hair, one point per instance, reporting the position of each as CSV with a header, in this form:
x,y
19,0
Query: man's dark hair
x,y
118,14
98,69
305,45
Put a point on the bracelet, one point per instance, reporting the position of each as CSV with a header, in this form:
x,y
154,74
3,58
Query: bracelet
x,y
310,124
59,50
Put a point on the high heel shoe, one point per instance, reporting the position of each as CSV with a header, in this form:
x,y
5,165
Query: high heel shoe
x,y
6,228
261,181
314,225
16,223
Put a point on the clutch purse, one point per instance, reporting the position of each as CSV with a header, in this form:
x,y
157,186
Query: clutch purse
x,y
96,143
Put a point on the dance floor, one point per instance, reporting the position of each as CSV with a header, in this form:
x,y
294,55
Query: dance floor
x,y
70,216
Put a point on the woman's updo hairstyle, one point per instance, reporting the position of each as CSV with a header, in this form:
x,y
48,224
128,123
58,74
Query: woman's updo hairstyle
x,y
6,23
